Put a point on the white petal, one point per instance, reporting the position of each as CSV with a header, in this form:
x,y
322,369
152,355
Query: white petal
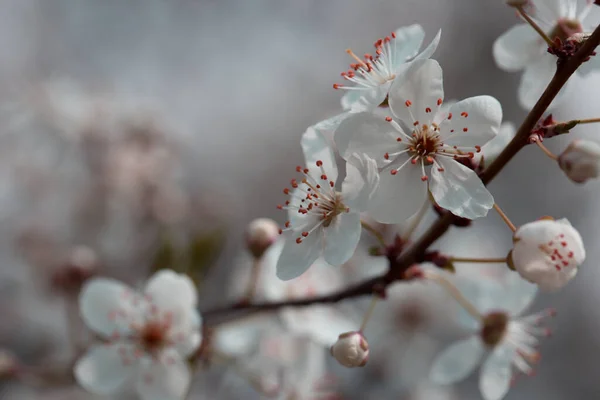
x,y
429,50
328,126
457,361
533,266
481,116
459,190
167,379
362,179
369,100
407,43
535,79
495,376
102,370
316,148
553,10
295,257
517,47
494,147
341,238
101,300
416,93
168,289
368,134
399,196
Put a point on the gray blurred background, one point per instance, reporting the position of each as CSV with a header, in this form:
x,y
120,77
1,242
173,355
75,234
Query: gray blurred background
x,y
238,82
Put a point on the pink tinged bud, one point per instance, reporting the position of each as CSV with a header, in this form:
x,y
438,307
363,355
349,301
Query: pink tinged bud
x,y
547,253
81,265
260,235
351,350
581,160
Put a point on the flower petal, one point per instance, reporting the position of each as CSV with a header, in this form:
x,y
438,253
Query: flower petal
x,y
327,127
431,48
494,147
416,93
316,148
362,179
495,376
101,300
167,379
341,238
591,65
102,370
535,79
517,48
399,196
475,121
457,361
554,10
367,134
406,44
295,257
459,190
168,289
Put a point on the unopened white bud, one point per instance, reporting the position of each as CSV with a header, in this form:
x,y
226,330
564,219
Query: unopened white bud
x,y
260,235
581,160
351,350
547,253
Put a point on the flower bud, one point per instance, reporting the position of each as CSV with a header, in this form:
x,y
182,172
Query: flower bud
x,y
351,350
581,160
547,253
81,264
260,235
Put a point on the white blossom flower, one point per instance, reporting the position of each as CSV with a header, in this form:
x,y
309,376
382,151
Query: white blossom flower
x,y
547,253
421,152
261,233
581,160
521,48
503,340
351,350
148,336
323,220
370,78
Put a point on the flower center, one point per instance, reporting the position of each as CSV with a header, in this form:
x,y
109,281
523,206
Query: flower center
x,y
565,28
425,143
153,335
495,326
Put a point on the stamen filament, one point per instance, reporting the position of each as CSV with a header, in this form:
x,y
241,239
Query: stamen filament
x,y
505,218
535,26
368,314
454,292
373,231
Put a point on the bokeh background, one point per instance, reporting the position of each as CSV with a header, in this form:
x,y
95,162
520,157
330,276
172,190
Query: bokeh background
x,y
122,117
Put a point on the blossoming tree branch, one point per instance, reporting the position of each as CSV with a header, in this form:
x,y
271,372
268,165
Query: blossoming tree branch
x,y
408,150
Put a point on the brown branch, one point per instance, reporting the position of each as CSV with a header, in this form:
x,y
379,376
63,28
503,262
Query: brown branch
x,y
414,253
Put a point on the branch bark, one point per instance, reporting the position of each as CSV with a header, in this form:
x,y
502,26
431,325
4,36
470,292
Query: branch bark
x,y
413,254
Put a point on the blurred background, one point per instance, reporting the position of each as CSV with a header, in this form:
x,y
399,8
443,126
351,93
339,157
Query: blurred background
x,y
130,130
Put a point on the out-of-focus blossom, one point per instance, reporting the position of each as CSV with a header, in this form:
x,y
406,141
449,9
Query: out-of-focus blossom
x,y
504,339
420,153
521,48
547,252
323,221
149,335
581,160
260,235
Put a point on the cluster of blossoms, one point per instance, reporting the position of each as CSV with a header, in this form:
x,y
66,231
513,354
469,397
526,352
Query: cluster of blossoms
x,y
406,151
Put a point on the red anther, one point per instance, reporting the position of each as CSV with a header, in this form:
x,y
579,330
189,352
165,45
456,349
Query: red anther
x,y
319,163
464,114
294,183
388,119
379,52
386,156
427,110
331,183
398,139
305,170
439,102
378,43
429,160
336,86
368,56
570,255
408,103
318,187
478,148
440,169
563,244
324,177
298,168
279,207
424,178
471,154
393,35
413,161
558,268
305,234
562,235
451,130
299,240
465,129
394,172
287,224
286,191
415,123
449,115
344,74
387,39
